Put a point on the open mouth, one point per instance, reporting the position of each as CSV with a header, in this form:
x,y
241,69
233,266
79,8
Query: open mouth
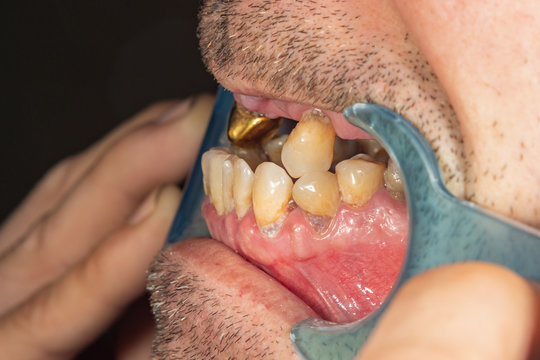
x,y
321,209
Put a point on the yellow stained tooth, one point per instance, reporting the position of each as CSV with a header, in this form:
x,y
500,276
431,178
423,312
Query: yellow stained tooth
x,y
358,180
205,165
216,181
317,193
272,189
247,128
242,187
310,145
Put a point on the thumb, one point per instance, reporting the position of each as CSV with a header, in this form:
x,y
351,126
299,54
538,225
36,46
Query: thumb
x,y
461,311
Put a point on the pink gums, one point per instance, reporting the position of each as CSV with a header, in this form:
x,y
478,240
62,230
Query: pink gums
x,y
343,274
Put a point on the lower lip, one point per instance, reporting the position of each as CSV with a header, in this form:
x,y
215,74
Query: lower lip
x,y
345,273
278,108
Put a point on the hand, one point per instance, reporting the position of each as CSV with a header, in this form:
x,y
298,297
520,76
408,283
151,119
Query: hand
x,y
75,253
462,311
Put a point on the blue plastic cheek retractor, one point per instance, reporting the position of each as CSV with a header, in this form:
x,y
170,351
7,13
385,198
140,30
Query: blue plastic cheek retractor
x,y
442,228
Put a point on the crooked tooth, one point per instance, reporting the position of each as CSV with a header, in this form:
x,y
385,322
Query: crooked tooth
x,y
309,146
242,186
358,180
393,181
272,189
317,193
272,148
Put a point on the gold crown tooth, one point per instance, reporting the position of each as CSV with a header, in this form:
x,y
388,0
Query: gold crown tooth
x,y
247,128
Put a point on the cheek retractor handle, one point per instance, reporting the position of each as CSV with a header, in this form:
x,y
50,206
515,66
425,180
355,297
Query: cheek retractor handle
x,y
188,221
442,230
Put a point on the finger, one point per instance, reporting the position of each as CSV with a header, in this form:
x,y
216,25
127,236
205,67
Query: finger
x,y
465,311
69,314
145,159
61,178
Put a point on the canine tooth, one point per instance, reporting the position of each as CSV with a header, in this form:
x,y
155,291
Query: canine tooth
x,y
272,148
358,180
272,189
310,145
317,193
242,186
393,181
205,165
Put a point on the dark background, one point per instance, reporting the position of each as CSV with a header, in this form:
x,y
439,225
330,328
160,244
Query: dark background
x,y
72,70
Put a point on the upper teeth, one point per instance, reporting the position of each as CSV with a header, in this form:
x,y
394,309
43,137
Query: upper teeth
x,y
307,154
310,146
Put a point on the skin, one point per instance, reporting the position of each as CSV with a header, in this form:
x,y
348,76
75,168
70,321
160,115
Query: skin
x,y
465,73
449,70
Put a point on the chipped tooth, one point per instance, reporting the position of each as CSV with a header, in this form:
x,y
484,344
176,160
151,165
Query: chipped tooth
x,y
272,189
272,148
310,145
393,181
242,186
358,180
317,193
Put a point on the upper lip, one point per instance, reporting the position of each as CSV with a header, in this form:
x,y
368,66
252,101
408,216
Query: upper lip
x,y
293,110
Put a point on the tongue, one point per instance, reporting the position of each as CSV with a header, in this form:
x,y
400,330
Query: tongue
x,y
343,274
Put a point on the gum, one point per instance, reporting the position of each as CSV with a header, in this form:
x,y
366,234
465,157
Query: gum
x,y
344,273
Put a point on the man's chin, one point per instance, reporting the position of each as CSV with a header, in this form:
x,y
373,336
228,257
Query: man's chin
x,y
208,301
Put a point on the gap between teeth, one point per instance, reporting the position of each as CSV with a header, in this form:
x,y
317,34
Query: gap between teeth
x,y
307,155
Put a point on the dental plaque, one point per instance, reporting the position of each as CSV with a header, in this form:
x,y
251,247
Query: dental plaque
x,y
326,217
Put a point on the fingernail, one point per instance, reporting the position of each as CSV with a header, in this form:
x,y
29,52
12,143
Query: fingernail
x,y
178,110
145,208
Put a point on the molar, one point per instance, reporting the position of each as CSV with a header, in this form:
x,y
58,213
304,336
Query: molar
x,y
358,180
317,193
272,191
310,145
